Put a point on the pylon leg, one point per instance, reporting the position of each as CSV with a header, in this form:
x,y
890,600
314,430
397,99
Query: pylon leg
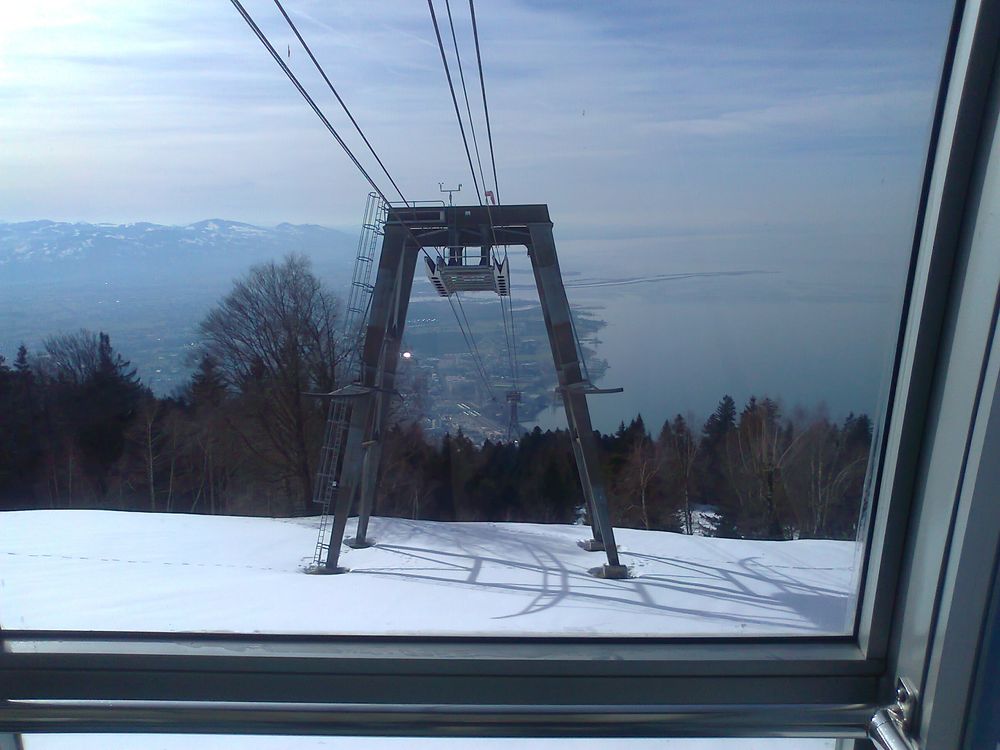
x,y
385,384
390,300
569,370
349,477
361,539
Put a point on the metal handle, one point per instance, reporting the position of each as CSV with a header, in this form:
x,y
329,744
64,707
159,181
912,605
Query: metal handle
x,y
885,734
891,727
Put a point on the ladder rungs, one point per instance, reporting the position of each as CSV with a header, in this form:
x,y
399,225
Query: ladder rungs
x,y
337,422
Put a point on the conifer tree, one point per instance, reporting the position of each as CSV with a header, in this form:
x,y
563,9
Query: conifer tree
x,y
713,466
21,360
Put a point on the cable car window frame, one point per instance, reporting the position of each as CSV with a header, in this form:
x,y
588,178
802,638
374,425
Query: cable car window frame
x,y
57,681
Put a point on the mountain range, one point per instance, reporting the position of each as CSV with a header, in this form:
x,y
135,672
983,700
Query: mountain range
x,y
32,251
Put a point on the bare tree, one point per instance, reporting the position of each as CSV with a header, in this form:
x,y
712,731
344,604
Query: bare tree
x,y
757,452
144,438
681,447
642,469
824,475
273,339
70,357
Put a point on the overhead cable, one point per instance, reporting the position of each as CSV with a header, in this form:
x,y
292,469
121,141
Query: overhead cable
x,y
509,336
506,335
333,131
465,92
486,109
454,99
333,89
473,349
305,95
465,141
496,182
476,356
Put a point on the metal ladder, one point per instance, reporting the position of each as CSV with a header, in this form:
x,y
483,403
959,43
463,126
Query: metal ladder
x,y
339,412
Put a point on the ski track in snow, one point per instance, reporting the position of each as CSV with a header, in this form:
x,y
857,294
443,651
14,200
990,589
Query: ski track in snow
x,y
119,571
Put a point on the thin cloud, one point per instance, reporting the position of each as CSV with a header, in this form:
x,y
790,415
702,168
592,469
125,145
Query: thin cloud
x,y
153,111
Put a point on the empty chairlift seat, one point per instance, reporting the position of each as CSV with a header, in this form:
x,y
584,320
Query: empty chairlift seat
x,y
466,272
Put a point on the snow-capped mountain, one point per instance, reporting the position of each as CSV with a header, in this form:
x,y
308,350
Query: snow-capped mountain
x,y
34,249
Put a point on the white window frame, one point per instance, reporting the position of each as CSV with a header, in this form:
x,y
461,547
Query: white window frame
x,y
925,593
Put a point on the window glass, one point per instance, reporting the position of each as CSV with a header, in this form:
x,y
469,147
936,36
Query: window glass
x,y
186,258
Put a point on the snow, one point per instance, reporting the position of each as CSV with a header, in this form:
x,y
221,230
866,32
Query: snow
x,y
120,571
108,570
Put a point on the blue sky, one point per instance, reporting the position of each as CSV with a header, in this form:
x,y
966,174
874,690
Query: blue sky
x,y
631,120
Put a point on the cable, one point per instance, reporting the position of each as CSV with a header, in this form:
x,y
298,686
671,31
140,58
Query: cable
x,y
489,212
333,131
486,109
319,113
354,122
477,357
506,336
513,326
465,92
390,209
512,337
444,59
482,365
472,126
454,99
305,95
473,349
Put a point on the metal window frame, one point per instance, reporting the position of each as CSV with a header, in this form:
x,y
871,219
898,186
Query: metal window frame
x,y
926,341
954,541
933,465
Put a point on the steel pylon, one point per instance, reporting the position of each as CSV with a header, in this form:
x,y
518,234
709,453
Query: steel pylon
x,y
406,232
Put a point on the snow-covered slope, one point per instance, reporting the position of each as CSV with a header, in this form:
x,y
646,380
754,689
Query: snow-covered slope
x,y
105,570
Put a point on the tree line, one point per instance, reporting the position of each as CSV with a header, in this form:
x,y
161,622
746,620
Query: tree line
x,y
80,430
752,473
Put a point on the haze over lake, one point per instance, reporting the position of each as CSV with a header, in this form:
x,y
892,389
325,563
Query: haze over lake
x,y
684,322
696,318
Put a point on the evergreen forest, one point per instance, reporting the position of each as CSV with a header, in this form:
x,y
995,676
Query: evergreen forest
x,y
78,429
